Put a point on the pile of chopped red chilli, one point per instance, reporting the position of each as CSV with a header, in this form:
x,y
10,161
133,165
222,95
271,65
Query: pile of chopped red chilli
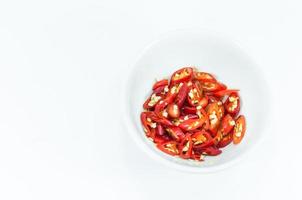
x,y
192,115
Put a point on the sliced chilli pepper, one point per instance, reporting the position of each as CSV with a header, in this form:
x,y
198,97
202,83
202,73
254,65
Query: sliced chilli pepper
x,y
189,110
212,99
152,133
191,124
196,156
161,139
207,135
173,110
160,106
159,90
195,94
145,123
175,133
215,112
207,122
148,124
220,109
158,119
197,85
160,83
232,104
222,93
218,137
164,121
182,95
198,138
209,140
239,129
204,77
227,124
185,147
211,151
223,86
160,130
204,102
189,116
193,97
182,75
203,114
146,104
211,86
226,140
170,147
151,101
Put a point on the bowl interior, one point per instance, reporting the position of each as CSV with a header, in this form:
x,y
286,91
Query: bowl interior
x,y
210,53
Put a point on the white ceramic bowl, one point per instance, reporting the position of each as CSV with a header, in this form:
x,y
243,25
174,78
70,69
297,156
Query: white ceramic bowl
x,y
209,52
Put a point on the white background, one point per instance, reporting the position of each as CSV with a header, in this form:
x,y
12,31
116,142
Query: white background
x,y
61,72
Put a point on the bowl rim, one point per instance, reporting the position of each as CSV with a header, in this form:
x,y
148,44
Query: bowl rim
x,y
131,129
